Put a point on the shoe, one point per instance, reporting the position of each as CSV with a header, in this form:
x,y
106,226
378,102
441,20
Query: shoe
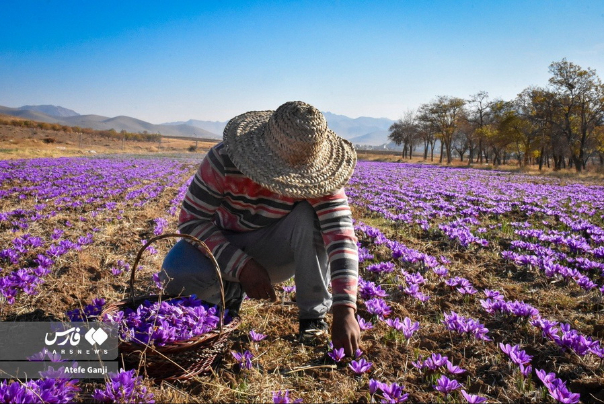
x,y
311,328
233,305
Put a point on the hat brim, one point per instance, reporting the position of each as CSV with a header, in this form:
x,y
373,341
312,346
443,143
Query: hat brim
x,y
245,142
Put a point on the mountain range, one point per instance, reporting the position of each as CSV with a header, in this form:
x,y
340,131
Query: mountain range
x,y
64,116
362,131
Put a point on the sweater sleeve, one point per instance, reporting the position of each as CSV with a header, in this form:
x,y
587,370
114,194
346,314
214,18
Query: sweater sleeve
x,y
335,219
203,198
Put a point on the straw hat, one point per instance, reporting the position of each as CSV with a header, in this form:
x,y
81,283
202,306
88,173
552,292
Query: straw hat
x,y
290,151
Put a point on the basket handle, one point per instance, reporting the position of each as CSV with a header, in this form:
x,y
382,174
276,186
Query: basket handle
x,y
207,253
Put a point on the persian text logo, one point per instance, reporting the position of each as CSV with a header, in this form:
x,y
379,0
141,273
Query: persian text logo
x,y
72,336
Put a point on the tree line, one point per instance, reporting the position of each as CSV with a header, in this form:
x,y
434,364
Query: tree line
x,y
560,125
109,133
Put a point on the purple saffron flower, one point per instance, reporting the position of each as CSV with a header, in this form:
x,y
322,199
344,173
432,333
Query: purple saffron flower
x,y
11,255
337,354
90,310
422,297
244,359
369,290
438,360
392,393
586,283
546,378
378,307
522,309
563,395
43,261
40,271
598,351
124,387
409,328
364,325
364,254
440,270
39,391
419,364
121,268
467,290
526,370
446,385
494,306
520,357
413,290
493,294
517,355
361,366
85,240
472,398
160,225
381,267
455,322
158,283
557,388
177,319
151,249
280,397
38,356
548,328
415,279
256,336
289,289
506,348
458,281
50,373
395,323
374,386
454,369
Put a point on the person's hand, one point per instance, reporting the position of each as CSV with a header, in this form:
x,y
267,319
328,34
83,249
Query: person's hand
x,y
345,330
255,281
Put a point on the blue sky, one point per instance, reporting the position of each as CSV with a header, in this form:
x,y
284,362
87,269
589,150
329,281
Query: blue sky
x,y
163,61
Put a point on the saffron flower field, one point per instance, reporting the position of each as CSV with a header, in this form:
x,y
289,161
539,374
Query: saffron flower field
x,y
474,285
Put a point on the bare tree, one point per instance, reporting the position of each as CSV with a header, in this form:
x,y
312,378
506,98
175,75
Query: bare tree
x,y
580,103
479,115
443,116
534,106
600,144
405,132
427,131
464,140
499,134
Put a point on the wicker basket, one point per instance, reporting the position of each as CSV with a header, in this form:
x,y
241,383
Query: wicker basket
x,y
180,360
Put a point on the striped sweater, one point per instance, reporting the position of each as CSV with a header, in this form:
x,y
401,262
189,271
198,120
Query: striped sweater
x,y
221,198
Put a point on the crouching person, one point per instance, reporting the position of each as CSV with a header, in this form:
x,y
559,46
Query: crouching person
x,y
269,202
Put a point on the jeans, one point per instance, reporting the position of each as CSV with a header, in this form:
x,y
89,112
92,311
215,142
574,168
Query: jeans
x,y
290,247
